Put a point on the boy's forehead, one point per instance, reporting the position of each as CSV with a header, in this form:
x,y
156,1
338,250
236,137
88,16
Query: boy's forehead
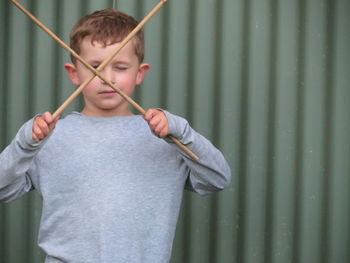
x,y
88,43
96,50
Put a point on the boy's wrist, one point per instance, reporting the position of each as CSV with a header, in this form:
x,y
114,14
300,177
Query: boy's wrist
x,y
176,124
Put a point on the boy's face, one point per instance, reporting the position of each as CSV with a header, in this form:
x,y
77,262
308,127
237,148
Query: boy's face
x,y
124,71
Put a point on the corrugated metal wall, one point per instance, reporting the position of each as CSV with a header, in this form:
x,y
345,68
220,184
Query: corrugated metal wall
x,y
266,80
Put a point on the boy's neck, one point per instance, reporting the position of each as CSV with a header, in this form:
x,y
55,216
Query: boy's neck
x,y
106,113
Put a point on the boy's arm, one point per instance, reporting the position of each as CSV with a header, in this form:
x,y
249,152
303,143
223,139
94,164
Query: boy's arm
x,y
211,173
17,158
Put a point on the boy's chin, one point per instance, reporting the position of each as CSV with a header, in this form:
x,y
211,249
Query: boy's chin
x,y
107,108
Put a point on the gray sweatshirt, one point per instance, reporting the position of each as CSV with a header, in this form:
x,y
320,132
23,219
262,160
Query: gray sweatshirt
x,y
111,190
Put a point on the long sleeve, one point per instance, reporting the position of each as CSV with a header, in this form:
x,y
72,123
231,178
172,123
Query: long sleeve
x,y
15,161
111,184
211,173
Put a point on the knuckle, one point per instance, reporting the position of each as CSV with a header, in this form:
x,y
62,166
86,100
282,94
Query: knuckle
x,y
39,122
38,132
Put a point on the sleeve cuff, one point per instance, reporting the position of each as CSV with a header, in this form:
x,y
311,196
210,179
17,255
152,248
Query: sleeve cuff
x,y
178,128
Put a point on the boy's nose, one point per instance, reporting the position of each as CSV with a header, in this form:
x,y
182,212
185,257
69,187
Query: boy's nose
x,y
111,81
109,76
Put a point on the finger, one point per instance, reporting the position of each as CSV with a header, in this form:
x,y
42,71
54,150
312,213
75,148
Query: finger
x,y
56,120
38,133
155,121
43,126
35,138
52,125
164,132
149,114
160,126
47,117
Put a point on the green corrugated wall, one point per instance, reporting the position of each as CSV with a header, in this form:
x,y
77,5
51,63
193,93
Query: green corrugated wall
x,y
268,81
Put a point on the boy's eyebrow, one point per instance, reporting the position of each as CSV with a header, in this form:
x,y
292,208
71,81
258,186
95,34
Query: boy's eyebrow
x,y
94,61
98,62
124,62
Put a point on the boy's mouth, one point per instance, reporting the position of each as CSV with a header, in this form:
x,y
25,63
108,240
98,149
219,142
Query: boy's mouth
x,y
107,92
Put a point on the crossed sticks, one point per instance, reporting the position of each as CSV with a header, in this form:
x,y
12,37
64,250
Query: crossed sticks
x,y
100,68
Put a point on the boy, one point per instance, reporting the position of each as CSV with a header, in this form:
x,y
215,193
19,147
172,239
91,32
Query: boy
x,y
111,188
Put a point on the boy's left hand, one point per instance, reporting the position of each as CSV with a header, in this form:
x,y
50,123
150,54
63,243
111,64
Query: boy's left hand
x,y
157,121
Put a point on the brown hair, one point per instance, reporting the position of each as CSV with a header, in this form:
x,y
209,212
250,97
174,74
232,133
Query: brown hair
x,y
107,26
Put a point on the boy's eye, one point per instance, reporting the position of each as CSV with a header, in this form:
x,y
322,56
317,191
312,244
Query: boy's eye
x,y
95,66
121,68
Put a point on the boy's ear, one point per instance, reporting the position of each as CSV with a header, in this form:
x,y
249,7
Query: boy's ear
x,y
144,67
72,73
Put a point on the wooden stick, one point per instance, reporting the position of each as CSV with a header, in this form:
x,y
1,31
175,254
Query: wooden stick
x,y
102,66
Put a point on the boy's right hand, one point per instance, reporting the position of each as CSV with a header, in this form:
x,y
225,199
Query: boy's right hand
x,y
42,126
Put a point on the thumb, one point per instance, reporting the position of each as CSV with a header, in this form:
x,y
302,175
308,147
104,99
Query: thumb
x,y
149,114
47,117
